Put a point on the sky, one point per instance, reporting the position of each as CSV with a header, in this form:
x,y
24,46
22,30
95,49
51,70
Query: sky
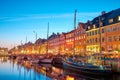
x,y
26,18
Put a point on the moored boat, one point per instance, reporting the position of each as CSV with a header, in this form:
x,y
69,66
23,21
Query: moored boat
x,y
84,65
46,60
87,68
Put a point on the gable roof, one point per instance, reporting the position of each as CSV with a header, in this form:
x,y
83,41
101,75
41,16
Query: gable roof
x,y
104,19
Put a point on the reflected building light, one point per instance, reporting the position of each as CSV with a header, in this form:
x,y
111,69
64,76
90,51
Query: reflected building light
x,y
67,49
28,51
70,78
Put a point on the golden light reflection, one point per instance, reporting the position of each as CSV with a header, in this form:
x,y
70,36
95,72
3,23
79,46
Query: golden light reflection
x,y
70,78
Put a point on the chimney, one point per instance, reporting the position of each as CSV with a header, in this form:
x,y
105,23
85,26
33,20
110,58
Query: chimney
x,y
103,12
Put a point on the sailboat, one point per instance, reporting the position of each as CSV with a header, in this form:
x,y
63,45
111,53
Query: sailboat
x,y
82,66
47,59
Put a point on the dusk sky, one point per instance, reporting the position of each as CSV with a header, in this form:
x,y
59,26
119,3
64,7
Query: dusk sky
x,y
21,18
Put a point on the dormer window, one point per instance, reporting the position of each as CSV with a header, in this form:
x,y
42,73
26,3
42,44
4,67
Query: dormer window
x,y
94,26
118,18
88,27
103,18
111,20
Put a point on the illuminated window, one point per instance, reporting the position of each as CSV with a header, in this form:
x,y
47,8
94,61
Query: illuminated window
x,y
111,20
88,27
118,18
94,26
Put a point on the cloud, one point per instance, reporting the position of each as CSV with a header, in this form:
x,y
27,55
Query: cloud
x,y
47,16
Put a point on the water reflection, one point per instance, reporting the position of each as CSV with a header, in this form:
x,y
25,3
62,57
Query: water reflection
x,y
13,70
81,76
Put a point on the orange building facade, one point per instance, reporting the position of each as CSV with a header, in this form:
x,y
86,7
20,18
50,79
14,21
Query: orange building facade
x,y
80,39
103,33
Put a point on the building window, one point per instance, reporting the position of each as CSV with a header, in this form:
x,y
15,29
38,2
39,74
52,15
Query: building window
x,y
109,47
88,27
118,18
102,30
87,41
114,38
118,27
114,28
103,39
95,32
92,40
96,40
119,37
109,39
94,26
92,32
87,34
108,30
103,18
111,20
115,46
98,31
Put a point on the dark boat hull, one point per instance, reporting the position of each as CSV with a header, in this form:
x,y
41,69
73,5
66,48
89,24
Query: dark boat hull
x,y
85,69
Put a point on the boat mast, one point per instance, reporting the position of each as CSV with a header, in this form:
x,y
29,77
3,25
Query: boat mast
x,y
74,30
100,36
26,45
47,38
21,46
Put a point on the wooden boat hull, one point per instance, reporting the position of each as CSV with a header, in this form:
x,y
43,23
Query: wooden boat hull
x,y
57,60
86,69
46,61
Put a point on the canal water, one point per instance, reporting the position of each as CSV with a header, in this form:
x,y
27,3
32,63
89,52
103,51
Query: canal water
x,y
12,70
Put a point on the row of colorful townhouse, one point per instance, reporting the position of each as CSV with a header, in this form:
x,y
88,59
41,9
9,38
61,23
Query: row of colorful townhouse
x,y
100,34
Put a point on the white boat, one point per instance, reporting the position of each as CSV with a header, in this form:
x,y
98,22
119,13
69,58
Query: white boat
x,y
34,61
